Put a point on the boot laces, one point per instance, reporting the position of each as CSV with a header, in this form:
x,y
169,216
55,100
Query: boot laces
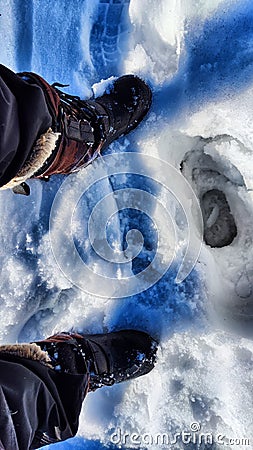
x,y
74,106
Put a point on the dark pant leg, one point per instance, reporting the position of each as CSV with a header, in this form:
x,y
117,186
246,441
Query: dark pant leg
x,y
24,116
9,122
38,405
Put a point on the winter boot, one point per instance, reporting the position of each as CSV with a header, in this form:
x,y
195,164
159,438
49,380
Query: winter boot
x,y
109,358
86,127
62,133
114,113
126,105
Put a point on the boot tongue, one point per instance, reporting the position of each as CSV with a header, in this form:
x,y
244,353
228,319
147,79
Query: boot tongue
x,y
96,355
102,119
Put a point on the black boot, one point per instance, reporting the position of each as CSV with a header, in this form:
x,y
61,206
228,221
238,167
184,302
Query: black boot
x,y
81,129
113,114
119,356
109,358
126,105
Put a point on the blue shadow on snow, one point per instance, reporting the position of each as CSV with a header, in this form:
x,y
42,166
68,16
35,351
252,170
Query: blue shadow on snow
x,y
217,60
79,443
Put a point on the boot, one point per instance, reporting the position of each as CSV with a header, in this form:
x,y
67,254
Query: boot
x,y
87,127
79,129
109,358
126,105
115,113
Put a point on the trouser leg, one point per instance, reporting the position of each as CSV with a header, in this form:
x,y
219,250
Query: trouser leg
x,y
38,405
24,116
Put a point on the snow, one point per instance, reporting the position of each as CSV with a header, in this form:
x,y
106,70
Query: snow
x,y
103,86
197,57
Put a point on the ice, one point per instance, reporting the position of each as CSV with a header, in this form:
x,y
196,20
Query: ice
x,y
197,57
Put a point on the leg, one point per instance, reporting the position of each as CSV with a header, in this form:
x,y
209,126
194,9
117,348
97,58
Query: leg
x,y
24,115
43,385
38,405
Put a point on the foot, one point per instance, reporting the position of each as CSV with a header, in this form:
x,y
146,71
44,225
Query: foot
x,y
109,358
126,105
85,127
119,356
113,114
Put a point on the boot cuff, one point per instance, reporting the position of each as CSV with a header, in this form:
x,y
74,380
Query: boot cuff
x,y
42,150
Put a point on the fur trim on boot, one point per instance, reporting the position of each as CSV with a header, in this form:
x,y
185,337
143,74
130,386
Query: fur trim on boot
x,y
42,150
28,351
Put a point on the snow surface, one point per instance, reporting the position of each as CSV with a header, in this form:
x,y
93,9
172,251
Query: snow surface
x,y
197,57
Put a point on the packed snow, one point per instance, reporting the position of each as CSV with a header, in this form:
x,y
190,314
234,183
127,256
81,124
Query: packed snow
x,y
197,301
